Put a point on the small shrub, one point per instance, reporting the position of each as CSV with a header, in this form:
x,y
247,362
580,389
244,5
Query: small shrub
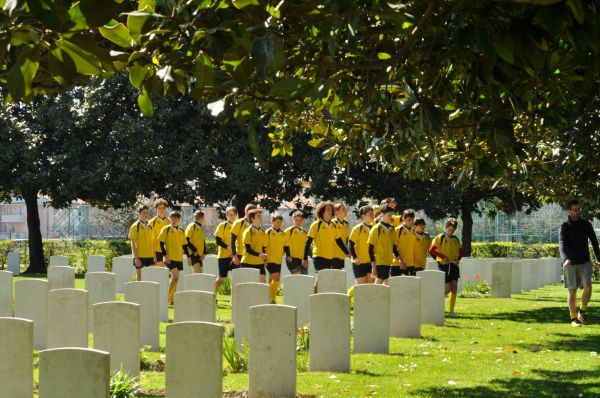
x,y
302,361
237,360
478,288
122,385
303,339
226,288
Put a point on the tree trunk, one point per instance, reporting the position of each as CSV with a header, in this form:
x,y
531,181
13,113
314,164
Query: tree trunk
x,y
36,250
466,209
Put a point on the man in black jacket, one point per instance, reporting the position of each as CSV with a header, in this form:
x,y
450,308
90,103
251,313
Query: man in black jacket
x,y
575,254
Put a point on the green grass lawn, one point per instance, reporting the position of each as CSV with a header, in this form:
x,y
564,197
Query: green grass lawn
x,y
521,347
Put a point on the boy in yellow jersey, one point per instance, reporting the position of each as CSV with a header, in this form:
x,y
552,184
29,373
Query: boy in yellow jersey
x,y
237,235
396,219
422,244
294,247
405,243
376,215
276,239
323,234
255,242
447,250
340,252
382,248
223,239
173,244
158,222
142,241
196,241
358,246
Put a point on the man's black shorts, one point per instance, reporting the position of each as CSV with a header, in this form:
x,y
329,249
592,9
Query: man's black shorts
x,y
337,263
451,270
146,262
397,271
321,263
383,272
273,268
295,266
225,265
361,270
261,268
196,260
159,257
175,264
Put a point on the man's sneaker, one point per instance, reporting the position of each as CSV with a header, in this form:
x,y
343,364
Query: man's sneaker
x,y
581,317
576,323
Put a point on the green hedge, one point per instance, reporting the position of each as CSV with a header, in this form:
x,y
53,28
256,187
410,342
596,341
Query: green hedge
x,y
77,251
512,249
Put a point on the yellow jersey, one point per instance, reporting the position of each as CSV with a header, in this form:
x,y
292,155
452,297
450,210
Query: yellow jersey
x,y
174,240
360,240
422,244
323,235
238,228
143,236
195,233
257,239
296,240
224,232
276,239
449,246
383,238
157,223
405,243
343,232
396,220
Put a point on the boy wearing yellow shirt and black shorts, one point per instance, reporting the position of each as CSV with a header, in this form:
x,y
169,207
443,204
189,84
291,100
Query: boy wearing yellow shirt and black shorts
x,y
323,233
382,248
237,235
296,237
423,242
223,240
276,239
142,242
447,250
358,245
255,242
173,244
405,243
340,252
158,222
194,234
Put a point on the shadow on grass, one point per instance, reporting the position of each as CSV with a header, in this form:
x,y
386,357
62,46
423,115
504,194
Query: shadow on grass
x,y
543,383
575,342
536,315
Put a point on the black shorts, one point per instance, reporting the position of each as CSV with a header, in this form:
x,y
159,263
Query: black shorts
x,y
397,271
383,272
295,266
159,257
361,270
196,259
321,263
146,262
175,264
451,271
273,268
261,268
338,263
225,265
410,271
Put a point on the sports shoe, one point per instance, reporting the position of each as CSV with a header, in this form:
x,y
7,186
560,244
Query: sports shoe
x,y
576,323
581,316
452,315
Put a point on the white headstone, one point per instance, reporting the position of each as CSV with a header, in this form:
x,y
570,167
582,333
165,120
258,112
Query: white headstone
x,y
350,280
211,264
96,263
124,270
101,287
432,297
31,302
516,276
187,270
272,358
6,293
74,373
246,295
16,358
194,365
202,282
372,318
59,261
117,331
549,271
431,265
146,295
329,332
331,281
296,292
67,318
194,306
405,306
527,274
245,275
538,272
60,277
14,263
159,275
501,279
